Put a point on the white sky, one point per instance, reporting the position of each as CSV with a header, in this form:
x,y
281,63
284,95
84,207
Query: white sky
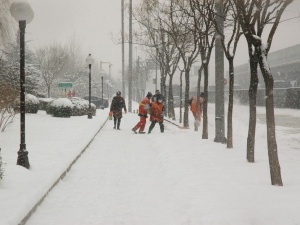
x,y
175,178
92,21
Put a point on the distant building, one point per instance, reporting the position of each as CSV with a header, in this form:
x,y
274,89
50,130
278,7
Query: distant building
x,y
284,64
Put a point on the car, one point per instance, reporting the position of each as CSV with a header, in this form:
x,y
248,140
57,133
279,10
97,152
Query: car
x,y
99,102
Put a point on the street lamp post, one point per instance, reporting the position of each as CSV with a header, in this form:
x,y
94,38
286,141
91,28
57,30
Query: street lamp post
x,y
102,89
23,13
89,60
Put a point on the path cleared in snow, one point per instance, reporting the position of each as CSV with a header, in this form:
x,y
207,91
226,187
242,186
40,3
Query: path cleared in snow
x,y
122,178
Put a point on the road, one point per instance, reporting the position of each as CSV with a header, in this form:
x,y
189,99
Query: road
x,y
283,121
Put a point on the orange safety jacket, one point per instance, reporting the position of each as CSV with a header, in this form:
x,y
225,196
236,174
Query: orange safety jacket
x,y
156,112
144,106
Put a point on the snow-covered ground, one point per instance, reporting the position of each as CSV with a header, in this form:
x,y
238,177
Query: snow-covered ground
x,y
174,178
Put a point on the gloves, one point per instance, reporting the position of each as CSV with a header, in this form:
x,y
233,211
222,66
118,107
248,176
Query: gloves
x,y
143,115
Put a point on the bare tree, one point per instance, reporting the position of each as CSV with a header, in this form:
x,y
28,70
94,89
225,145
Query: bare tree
x,y
203,17
254,16
60,62
153,19
53,61
186,38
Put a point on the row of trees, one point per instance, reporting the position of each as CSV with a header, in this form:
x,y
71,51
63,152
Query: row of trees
x,y
44,67
178,32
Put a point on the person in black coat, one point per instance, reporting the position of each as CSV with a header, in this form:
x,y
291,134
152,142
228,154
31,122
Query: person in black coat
x,y
117,104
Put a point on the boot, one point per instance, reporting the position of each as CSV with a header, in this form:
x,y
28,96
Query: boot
x,y
118,124
162,127
134,130
151,127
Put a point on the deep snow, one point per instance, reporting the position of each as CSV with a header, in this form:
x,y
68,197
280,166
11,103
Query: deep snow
x,y
139,179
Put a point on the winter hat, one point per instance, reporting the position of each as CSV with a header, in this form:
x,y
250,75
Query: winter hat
x,y
149,94
118,92
202,94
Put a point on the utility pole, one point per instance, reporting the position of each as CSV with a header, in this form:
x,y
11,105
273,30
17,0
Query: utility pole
x,y
130,60
139,79
219,78
109,71
156,70
123,52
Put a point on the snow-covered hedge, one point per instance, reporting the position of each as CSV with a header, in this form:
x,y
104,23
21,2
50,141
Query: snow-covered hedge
x,y
44,102
81,107
31,104
1,167
62,107
78,106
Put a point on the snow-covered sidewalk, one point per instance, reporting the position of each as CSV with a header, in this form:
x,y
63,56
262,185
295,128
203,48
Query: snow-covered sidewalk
x,y
174,178
52,143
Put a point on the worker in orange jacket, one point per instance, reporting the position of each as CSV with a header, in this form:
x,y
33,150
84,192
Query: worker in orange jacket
x,y
157,115
143,111
193,107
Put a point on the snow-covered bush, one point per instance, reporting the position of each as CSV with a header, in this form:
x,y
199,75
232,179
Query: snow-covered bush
x,y
31,104
7,96
1,167
62,107
49,107
44,102
81,107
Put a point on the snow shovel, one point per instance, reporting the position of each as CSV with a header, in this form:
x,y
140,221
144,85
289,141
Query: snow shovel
x,y
180,127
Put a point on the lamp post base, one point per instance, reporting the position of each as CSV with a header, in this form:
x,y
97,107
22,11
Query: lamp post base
x,y
23,157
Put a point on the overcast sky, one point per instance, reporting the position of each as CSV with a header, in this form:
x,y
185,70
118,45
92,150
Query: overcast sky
x,y
93,22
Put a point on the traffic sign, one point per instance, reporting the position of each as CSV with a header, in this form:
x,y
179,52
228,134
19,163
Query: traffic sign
x,y
65,85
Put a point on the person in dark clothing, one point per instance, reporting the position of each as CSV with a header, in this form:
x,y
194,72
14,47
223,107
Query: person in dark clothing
x,y
157,96
117,104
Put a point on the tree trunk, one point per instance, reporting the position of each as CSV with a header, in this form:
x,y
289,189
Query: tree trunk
x,y
163,91
180,103
270,119
48,91
186,98
171,111
205,122
252,109
198,90
230,104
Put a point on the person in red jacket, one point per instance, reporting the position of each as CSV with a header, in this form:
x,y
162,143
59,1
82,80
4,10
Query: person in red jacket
x,y
193,107
157,115
143,108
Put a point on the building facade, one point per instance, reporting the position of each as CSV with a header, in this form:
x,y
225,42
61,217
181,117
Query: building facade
x,y
284,64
